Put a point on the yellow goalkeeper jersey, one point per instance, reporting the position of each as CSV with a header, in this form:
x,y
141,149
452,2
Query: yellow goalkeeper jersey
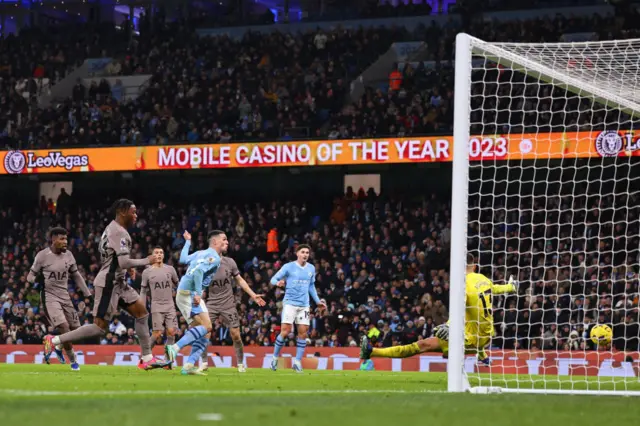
x,y
478,304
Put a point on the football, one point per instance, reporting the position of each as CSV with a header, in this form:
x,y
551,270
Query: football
x,y
601,334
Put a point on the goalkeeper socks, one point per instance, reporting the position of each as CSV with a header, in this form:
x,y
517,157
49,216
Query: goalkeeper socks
x,y
396,351
197,349
301,344
278,346
191,336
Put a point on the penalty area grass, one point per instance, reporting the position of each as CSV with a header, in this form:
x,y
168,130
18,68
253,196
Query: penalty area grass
x,y
124,396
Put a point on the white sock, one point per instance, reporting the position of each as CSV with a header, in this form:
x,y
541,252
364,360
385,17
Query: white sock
x,y
58,347
147,358
56,341
187,366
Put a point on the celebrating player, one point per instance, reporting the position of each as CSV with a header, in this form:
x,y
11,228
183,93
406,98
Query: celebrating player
x,y
299,278
202,265
478,328
159,281
221,303
111,289
56,265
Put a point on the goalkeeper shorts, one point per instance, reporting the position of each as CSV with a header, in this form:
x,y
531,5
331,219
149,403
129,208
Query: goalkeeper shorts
x,y
473,343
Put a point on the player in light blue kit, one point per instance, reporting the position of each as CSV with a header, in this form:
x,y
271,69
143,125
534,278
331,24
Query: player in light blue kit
x,y
203,265
299,278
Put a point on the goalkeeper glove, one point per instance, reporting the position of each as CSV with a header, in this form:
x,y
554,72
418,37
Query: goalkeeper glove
x,y
442,332
513,282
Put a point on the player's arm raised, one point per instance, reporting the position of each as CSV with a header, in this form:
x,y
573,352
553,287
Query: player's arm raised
x,y
279,277
244,286
185,258
510,287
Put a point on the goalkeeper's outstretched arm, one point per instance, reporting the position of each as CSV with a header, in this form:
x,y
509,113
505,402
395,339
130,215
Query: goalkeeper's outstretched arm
x,y
510,287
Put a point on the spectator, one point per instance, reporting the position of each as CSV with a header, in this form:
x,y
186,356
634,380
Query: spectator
x,y
117,328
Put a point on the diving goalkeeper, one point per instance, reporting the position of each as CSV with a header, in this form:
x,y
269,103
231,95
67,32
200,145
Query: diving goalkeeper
x,y
478,328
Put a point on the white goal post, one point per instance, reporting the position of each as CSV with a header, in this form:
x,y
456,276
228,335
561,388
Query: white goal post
x,y
546,188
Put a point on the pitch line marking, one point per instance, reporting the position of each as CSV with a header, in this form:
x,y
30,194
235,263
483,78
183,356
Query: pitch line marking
x,y
209,417
26,392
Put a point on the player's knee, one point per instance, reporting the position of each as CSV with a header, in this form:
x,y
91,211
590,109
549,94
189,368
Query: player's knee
x,y
171,331
235,335
138,309
428,345
102,323
302,334
286,329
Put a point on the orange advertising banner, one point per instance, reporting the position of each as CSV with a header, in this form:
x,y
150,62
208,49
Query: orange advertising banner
x,y
529,146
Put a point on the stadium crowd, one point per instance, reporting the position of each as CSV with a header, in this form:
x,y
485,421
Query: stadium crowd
x,y
275,86
382,265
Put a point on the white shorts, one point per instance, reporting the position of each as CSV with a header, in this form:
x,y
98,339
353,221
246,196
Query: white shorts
x,y
184,300
297,314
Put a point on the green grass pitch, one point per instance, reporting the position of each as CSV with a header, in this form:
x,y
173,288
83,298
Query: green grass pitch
x,y
123,396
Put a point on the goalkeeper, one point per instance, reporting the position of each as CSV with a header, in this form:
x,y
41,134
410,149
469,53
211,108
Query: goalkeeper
x,y
478,328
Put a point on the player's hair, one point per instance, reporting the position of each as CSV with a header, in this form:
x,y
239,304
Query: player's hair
x,y
472,261
121,205
58,230
303,246
158,248
214,233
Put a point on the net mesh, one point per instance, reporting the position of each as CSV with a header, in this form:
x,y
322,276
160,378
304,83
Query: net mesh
x,y
561,215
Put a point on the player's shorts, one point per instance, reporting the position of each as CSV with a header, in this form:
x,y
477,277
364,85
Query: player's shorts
x,y
111,298
230,317
297,314
473,343
164,320
59,312
184,301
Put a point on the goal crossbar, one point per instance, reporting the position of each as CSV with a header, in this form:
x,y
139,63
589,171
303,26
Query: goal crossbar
x,y
503,56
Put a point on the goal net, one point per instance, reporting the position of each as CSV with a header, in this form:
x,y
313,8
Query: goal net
x,y
546,188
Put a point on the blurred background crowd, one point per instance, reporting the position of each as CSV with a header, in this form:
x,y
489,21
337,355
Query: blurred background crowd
x,y
381,261
257,84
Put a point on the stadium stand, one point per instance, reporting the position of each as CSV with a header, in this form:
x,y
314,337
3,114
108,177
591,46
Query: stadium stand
x,y
381,261
216,89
